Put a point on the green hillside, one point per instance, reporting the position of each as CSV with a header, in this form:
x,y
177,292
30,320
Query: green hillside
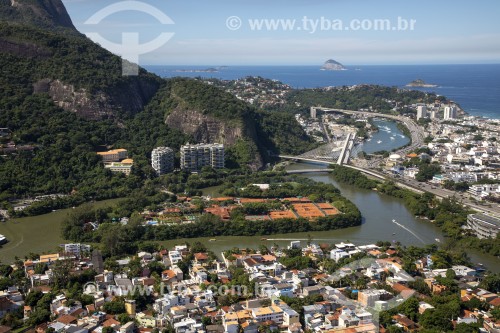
x,y
64,97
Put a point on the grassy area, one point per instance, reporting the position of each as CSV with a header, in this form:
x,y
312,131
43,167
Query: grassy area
x,y
36,234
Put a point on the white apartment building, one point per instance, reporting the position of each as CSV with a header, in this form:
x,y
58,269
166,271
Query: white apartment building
x,y
450,112
162,160
76,249
484,226
421,112
479,192
195,157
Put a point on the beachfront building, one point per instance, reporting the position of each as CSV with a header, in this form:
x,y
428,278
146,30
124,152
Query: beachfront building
x,y
421,112
195,157
162,160
450,112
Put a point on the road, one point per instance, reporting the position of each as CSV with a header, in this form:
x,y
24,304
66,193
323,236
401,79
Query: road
x,y
417,140
444,193
325,131
417,133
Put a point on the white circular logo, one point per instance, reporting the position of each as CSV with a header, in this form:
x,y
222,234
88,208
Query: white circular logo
x,y
130,48
234,23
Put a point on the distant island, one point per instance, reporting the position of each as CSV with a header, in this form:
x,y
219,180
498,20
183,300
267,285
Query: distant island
x,y
421,83
207,70
332,65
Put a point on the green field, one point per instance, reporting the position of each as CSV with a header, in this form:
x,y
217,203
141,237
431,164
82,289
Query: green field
x,y
36,234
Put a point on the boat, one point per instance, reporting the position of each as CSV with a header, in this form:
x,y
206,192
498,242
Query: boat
x,y
437,240
212,240
379,141
3,239
393,221
393,233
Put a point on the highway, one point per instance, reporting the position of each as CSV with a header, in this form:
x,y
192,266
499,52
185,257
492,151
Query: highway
x,y
407,183
417,134
444,193
417,140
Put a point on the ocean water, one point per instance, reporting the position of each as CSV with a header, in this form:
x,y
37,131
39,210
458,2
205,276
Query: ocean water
x,y
475,87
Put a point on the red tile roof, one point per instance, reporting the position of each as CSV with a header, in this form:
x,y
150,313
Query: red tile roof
x,y
201,256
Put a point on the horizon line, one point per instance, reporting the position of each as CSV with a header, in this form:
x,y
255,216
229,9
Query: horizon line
x,y
319,66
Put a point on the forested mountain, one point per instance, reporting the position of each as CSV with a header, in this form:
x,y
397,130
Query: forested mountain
x,y
64,97
48,14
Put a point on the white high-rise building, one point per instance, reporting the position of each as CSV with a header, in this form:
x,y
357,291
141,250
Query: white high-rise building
x,y
76,249
450,112
162,160
313,112
421,112
195,157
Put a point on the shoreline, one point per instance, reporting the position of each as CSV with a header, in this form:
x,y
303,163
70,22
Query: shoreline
x,y
236,72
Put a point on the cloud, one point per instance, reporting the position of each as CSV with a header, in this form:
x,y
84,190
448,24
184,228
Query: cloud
x,y
312,51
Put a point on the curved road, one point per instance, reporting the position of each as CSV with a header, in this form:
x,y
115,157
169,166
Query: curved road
x,y
417,140
417,133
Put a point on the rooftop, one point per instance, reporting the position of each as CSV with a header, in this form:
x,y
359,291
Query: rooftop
x,y
487,218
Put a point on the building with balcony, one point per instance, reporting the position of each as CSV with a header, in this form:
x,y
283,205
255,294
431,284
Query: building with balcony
x,y
195,157
162,160
450,112
484,226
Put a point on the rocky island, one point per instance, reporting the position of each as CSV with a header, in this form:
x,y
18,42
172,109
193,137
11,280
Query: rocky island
x,y
421,83
332,65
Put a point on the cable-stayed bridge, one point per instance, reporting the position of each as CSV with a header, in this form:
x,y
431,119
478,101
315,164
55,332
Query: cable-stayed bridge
x,y
331,152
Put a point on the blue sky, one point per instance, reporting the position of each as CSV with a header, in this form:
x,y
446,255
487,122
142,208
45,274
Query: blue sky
x,y
445,31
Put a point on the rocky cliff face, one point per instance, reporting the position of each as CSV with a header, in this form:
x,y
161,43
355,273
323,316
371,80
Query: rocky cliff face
x,y
51,56
128,99
207,129
203,128
23,49
44,13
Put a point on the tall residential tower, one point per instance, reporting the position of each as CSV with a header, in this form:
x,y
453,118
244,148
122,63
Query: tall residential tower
x,y
162,160
421,112
450,112
195,157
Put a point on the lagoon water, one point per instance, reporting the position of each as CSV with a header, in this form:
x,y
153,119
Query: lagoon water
x,y
386,138
475,87
378,211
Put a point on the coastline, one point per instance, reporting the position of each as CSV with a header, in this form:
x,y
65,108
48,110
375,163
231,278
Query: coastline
x,y
464,84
